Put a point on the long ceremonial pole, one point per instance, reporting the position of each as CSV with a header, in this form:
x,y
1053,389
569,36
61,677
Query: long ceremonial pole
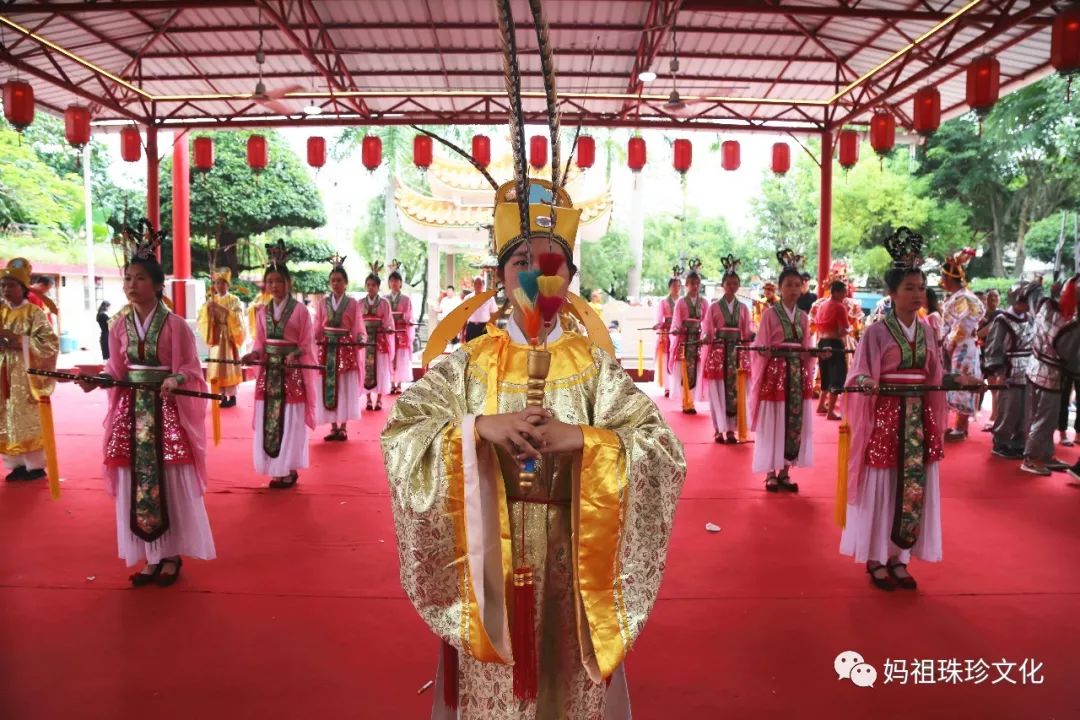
x,y
825,219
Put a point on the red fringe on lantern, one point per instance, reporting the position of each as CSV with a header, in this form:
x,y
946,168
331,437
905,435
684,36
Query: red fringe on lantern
x,y
449,676
523,635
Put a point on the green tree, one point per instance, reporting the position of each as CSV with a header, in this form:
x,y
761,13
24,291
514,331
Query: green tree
x,y
606,263
240,209
1020,169
33,196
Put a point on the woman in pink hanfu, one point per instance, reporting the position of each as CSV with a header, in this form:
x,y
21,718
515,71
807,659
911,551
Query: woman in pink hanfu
x,y
897,430
155,442
685,362
727,324
379,351
284,396
339,332
401,309
782,384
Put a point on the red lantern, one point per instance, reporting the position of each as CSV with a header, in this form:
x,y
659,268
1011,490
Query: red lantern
x,y
421,151
683,155
730,155
130,144
849,149
257,155
926,117
983,83
371,152
18,103
635,153
586,152
481,150
77,125
781,158
1065,41
203,147
538,151
882,132
316,151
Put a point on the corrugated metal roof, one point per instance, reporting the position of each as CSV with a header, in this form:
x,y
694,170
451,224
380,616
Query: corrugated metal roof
x,y
414,51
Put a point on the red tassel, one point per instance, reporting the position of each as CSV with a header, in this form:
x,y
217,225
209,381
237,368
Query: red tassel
x,y
549,306
450,676
550,263
523,635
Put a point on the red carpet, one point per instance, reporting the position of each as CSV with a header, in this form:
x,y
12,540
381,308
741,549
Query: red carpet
x,y
302,614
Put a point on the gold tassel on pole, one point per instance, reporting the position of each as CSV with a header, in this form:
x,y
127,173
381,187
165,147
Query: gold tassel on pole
x,y
640,358
661,361
687,397
740,399
843,451
215,409
48,436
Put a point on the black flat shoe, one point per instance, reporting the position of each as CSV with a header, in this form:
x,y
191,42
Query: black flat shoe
x,y
787,485
907,583
18,473
40,473
887,583
771,484
167,579
732,440
718,438
378,404
331,437
369,405
141,579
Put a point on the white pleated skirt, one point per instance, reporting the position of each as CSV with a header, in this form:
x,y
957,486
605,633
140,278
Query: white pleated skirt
x,y
189,527
402,366
866,536
769,437
714,390
384,373
348,400
294,442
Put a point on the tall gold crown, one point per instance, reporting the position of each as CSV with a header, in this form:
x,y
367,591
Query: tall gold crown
x,y
551,215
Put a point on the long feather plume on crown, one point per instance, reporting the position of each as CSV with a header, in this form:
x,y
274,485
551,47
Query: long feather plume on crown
x,y
905,246
337,262
137,241
512,77
677,272
376,268
547,68
468,156
789,259
694,267
954,264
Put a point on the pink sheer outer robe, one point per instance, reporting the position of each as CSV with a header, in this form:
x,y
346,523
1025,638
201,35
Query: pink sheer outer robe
x,y
876,354
298,331
681,318
771,333
176,349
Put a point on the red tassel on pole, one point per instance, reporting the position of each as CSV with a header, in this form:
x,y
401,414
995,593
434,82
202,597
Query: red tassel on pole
x,y
523,635
449,676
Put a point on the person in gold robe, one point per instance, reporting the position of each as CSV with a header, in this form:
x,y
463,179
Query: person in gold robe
x,y
532,505
27,340
221,325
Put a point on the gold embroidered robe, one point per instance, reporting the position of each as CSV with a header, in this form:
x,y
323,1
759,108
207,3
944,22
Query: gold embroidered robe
x,y
596,527
20,428
223,338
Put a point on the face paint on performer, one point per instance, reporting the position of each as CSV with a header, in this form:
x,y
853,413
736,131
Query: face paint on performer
x,y
221,287
337,284
275,284
791,289
731,286
139,287
13,291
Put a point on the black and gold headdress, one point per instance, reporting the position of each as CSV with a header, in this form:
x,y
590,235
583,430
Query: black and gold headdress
x,y
137,241
790,260
906,248
731,266
277,256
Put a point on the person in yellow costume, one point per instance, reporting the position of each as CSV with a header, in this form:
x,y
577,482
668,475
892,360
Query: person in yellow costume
x,y
27,340
221,325
261,299
532,516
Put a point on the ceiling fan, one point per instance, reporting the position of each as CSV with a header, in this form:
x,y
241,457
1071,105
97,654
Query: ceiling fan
x,y
274,99
676,104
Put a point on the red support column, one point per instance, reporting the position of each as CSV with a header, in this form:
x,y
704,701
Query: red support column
x,y
153,196
825,217
181,230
